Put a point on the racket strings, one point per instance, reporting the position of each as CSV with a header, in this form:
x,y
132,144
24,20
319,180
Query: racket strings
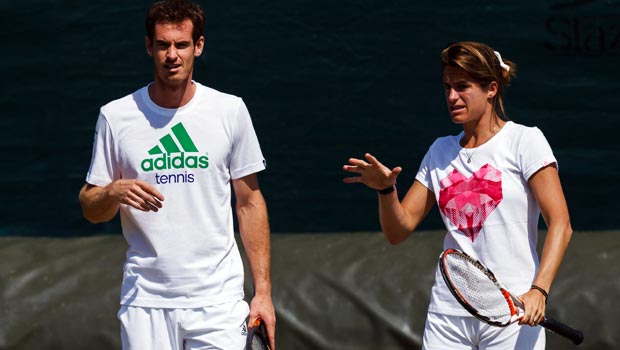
x,y
477,289
257,338
257,343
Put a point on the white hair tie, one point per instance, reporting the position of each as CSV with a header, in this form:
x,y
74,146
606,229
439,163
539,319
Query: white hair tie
x,y
501,62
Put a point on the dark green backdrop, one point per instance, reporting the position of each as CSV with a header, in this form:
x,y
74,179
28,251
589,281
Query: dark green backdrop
x,y
324,80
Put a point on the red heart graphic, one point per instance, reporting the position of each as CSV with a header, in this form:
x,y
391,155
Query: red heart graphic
x,y
467,202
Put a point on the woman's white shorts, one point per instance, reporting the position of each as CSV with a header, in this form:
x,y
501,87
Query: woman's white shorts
x,y
468,333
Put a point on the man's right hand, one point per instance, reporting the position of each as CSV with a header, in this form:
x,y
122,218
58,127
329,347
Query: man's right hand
x,y
136,193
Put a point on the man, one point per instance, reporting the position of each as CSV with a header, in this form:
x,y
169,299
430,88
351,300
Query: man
x,y
164,157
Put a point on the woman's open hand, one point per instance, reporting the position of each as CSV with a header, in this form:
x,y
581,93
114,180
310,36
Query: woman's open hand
x,y
371,172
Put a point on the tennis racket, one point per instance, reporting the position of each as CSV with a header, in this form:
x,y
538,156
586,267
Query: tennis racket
x,y
257,337
475,287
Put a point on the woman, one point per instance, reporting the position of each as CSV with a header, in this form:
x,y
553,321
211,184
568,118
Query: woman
x,y
491,183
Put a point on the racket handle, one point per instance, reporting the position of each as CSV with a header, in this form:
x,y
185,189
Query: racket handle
x,y
576,336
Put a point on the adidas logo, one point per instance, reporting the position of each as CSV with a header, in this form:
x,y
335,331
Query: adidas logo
x,y
179,152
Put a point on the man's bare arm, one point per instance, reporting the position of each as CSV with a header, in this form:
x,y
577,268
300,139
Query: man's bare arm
x,y
254,229
100,204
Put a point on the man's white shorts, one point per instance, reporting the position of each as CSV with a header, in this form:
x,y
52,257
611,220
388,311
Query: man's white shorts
x,y
468,333
218,327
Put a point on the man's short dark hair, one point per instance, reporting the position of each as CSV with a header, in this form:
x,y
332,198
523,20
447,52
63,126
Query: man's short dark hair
x,y
175,11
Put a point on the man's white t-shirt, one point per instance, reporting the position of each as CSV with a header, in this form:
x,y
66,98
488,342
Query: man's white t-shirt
x,y
184,255
487,205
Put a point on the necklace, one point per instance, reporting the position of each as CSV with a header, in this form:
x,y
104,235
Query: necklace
x,y
469,156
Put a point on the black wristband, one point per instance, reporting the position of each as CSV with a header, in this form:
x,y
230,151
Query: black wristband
x,y
544,292
387,190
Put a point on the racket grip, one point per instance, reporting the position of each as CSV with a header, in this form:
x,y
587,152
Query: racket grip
x,y
576,336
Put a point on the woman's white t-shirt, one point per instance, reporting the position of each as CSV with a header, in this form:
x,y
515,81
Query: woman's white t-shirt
x,y
487,205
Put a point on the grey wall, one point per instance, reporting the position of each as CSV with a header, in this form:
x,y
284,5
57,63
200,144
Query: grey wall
x,y
339,291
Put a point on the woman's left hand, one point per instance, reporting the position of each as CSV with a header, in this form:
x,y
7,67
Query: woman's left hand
x,y
534,304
